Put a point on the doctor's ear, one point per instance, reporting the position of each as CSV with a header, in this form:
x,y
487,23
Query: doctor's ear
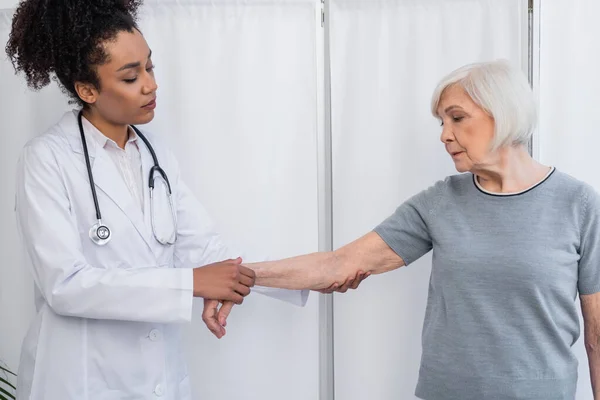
x,y
86,92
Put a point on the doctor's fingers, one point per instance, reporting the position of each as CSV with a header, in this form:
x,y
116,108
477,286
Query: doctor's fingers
x,y
246,280
209,316
242,289
235,297
248,273
224,312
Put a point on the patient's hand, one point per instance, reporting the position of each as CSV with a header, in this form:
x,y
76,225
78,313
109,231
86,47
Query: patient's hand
x,y
351,283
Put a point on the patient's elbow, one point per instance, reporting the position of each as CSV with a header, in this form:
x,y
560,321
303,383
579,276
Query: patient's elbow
x,y
592,345
592,339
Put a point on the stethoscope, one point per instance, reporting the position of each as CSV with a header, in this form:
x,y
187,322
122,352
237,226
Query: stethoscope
x,y
99,232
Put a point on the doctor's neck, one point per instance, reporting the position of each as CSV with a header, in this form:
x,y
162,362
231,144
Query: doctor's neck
x,y
119,133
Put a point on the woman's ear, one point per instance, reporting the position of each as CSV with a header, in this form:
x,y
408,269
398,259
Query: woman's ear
x,y
86,92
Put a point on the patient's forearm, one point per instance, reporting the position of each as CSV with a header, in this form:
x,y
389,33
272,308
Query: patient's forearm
x,y
312,271
321,270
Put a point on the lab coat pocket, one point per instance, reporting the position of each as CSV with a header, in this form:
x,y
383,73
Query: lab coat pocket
x,y
114,356
185,389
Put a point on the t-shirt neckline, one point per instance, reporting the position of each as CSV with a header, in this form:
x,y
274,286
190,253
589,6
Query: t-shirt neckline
x,y
512,194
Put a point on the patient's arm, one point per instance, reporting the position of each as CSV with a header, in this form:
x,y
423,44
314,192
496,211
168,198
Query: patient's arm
x,y
325,271
319,271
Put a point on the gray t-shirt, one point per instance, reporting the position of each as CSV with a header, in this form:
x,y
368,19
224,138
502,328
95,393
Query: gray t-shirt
x,y
501,314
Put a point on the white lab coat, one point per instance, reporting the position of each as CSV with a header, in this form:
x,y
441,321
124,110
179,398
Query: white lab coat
x,y
108,323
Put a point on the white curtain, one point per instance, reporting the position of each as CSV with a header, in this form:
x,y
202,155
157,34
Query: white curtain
x,y
386,58
569,85
238,97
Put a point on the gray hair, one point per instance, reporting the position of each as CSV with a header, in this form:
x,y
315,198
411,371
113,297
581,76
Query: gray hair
x,y
503,92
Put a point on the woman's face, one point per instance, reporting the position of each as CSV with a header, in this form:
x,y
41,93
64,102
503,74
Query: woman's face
x,y
127,90
467,130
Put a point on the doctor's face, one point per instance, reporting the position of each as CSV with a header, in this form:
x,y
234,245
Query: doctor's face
x,y
467,130
127,90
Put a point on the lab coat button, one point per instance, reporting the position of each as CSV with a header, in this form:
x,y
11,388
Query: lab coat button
x,y
154,335
158,390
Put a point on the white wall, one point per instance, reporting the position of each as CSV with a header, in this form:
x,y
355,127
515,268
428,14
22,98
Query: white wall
x,y
8,3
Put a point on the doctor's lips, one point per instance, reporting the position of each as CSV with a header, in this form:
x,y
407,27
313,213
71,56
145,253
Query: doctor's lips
x,y
151,105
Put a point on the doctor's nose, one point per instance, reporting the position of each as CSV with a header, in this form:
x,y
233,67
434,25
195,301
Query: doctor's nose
x,y
151,86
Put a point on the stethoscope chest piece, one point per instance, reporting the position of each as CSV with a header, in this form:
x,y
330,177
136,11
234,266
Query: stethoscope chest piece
x,y
100,234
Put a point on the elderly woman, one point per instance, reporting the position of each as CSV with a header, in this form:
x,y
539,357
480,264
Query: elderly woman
x,y
513,241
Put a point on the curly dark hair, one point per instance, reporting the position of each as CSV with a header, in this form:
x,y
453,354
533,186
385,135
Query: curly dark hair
x,y
65,37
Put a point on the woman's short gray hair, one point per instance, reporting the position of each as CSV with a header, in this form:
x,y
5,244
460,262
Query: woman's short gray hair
x,y
500,90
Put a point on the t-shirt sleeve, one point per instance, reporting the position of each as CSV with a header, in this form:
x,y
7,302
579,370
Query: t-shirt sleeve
x,y
589,250
406,231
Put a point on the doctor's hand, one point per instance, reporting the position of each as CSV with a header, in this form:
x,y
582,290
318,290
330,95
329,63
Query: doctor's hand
x,y
214,317
225,280
210,317
351,283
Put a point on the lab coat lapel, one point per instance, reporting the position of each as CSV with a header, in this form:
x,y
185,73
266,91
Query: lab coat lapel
x,y
108,179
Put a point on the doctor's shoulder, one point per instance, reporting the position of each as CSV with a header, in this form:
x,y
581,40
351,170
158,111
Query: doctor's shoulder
x,y
42,159
50,146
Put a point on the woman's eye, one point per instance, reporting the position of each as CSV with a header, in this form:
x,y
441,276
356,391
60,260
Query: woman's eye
x,y
151,68
130,80
457,119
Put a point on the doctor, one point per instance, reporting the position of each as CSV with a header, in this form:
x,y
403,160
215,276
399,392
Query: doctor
x,y
118,244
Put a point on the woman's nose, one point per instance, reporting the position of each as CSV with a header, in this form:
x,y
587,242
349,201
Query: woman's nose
x,y
150,86
446,135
